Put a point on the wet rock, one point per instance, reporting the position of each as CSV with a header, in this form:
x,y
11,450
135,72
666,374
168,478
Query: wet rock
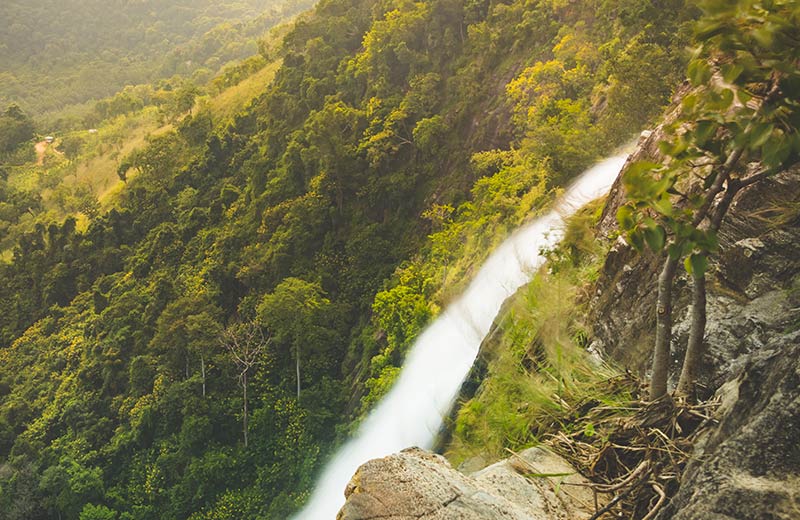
x,y
415,484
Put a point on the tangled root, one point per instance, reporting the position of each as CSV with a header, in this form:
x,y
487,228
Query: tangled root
x,y
634,452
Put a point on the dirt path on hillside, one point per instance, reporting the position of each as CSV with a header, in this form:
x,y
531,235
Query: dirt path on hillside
x,y
40,148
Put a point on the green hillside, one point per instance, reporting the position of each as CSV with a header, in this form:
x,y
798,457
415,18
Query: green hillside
x,y
60,54
199,347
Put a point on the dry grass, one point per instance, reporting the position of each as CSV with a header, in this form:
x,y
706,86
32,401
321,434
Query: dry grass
x,y
634,452
98,167
230,101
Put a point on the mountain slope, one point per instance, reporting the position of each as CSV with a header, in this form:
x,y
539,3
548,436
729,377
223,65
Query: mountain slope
x,y
385,123
57,54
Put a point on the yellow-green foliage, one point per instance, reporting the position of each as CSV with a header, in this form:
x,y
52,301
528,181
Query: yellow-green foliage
x,y
539,369
78,175
508,190
232,99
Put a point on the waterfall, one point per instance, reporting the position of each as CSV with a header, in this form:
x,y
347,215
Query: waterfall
x,y
412,413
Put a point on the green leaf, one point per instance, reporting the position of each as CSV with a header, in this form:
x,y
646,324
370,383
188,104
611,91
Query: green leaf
x,y
674,148
635,239
664,205
764,36
776,150
699,72
744,96
708,28
688,103
731,72
760,134
655,237
638,183
641,167
704,130
727,99
696,264
709,241
625,217
794,138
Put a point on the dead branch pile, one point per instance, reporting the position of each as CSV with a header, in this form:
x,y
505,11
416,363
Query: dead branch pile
x,y
634,452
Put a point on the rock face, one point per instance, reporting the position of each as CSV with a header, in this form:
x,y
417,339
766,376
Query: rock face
x,y
415,484
753,290
749,466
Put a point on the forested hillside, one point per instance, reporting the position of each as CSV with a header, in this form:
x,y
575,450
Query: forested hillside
x,y
199,349
57,54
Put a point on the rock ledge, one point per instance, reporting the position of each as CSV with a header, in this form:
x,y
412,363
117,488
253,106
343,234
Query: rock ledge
x,y
418,485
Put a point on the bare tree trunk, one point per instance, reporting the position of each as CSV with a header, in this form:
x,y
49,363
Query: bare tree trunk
x,y
244,416
245,342
694,349
297,367
658,380
203,372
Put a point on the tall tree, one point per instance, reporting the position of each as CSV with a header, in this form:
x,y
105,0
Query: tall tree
x,y
15,128
245,342
292,312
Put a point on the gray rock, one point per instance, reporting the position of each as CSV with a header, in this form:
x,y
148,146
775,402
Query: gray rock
x,y
753,284
748,467
415,484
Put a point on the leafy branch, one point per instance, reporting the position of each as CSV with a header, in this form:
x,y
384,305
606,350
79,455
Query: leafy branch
x,y
743,109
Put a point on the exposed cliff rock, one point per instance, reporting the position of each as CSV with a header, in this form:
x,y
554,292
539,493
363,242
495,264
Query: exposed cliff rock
x,y
752,294
748,467
415,484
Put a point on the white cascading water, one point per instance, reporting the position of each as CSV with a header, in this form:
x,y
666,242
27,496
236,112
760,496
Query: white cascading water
x,y
412,413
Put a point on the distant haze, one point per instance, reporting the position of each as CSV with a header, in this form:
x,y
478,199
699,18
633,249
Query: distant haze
x,y
60,53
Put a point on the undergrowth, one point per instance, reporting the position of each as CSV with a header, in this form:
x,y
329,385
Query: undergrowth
x,y
540,375
634,453
542,386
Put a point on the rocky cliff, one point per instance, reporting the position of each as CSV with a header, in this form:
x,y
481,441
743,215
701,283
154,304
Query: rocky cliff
x,y
747,464
754,288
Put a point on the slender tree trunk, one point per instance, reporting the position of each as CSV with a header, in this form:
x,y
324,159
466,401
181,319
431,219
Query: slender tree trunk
x,y
658,381
244,416
297,368
694,349
203,372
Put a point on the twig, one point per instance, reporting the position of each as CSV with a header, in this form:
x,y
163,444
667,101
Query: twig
x,y
662,497
644,465
614,501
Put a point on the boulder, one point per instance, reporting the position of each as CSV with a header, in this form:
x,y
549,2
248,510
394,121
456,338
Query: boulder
x,y
418,485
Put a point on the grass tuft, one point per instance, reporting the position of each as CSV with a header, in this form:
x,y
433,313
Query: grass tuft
x,y
540,374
